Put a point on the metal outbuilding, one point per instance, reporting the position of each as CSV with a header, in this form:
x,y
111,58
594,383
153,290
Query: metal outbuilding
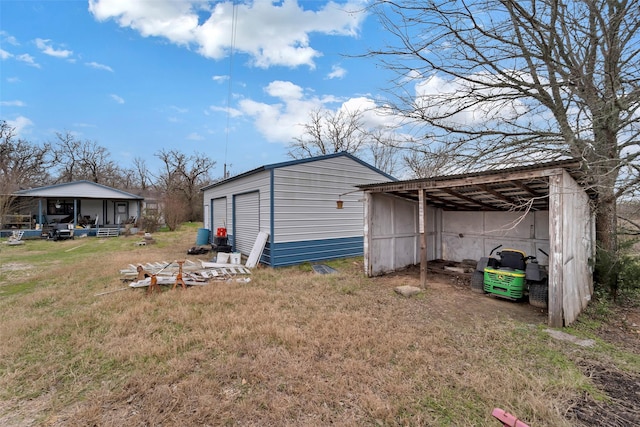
x,y
464,216
295,203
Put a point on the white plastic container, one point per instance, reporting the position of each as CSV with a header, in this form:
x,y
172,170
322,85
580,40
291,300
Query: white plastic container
x,y
222,257
235,258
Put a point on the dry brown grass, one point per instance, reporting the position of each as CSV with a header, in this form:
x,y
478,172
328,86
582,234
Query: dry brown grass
x,y
289,348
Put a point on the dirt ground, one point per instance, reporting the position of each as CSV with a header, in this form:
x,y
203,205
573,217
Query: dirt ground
x,y
621,407
621,388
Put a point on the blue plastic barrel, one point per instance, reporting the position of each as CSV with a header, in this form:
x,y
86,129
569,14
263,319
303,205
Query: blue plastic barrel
x,y
203,236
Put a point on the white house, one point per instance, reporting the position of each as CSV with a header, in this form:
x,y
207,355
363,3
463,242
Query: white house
x,y
78,203
296,204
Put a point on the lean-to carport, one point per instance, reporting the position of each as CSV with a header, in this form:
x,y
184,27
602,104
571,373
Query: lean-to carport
x,y
464,216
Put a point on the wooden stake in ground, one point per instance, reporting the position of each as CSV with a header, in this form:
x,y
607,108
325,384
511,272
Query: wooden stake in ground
x,y
110,292
153,285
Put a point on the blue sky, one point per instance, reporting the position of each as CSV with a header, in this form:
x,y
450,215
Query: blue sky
x,y
140,76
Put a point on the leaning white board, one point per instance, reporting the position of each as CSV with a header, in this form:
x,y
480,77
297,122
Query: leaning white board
x,y
256,251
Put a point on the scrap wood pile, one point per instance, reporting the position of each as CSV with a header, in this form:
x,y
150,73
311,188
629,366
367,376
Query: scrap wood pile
x,y
451,267
458,273
192,273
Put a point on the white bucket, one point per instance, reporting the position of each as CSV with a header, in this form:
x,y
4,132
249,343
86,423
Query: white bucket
x,y
222,258
235,258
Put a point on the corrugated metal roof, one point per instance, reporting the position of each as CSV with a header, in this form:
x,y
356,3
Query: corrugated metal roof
x,y
515,188
297,162
78,190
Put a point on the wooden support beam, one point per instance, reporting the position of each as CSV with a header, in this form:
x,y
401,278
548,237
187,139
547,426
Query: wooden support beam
x,y
498,194
469,199
528,189
445,202
501,177
556,259
422,202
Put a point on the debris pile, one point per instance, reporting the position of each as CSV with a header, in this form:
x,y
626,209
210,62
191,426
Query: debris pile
x,y
146,240
15,238
197,250
192,273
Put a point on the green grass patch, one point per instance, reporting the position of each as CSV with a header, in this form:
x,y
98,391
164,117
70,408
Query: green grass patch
x,y
17,288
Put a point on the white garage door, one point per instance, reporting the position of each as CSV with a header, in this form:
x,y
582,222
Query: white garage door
x,y
219,214
246,221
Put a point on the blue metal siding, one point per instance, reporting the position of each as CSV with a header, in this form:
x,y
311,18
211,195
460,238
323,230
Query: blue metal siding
x,y
297,203
272,221
266,254
291,253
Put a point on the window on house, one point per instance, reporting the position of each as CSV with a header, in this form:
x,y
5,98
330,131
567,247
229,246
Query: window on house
x,y
59,207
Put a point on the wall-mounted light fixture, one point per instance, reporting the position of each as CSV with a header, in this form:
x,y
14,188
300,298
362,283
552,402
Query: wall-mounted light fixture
x,y
340,202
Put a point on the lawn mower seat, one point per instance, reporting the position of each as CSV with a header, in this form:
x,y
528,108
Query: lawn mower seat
x,y
511,258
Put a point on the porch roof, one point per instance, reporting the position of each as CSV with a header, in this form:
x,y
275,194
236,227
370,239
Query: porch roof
x,y
78,190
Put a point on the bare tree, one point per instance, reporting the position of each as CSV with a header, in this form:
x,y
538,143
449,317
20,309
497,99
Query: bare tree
x,y
22,165
329,132
429,162
525,80
87,160
181,180
384,150
142,174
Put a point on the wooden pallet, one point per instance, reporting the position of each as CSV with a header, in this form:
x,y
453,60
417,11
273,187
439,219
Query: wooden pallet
x,y
193,273
108,232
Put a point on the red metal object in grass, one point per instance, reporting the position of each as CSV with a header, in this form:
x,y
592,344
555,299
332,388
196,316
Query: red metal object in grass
x,y
507,419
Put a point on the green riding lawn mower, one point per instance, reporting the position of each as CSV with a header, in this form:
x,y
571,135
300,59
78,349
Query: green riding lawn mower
x,y
512,275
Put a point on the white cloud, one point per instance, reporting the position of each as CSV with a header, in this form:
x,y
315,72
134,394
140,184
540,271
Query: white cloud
x,y
6,38
220,79
448,98
194,136
373,115
271,33
117,98
337,72
284,90
276,122
179,110
13,79
280,121
233,112
4,54
45,46
98,66
12,103
28,59
20,124
283,120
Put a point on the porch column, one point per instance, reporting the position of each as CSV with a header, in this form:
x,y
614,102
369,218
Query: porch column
x,y
40,211
422,220
75,213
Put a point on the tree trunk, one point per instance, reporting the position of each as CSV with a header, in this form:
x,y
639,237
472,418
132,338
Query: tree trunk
x,y
607,266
